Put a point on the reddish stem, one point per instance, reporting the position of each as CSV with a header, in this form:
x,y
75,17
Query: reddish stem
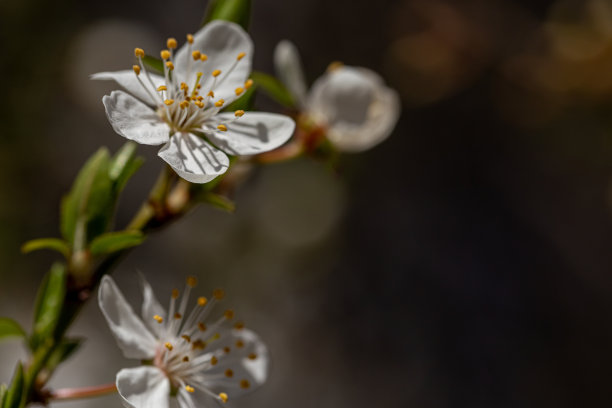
x,y
84,392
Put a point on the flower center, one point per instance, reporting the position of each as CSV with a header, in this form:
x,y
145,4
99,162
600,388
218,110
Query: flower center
x,y
186,107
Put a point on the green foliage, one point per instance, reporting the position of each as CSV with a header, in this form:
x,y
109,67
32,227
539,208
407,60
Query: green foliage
x,y
10,328
49,304
116,241
273,88
218,201
124,165
245,102
55,244
238,11
3,390
12,397
154,64
62,352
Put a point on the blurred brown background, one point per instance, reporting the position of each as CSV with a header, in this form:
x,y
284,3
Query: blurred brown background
x,y
465,262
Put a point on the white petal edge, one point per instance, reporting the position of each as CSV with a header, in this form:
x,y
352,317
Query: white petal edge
x,y
288,67
150,308
143,387
134,120
221,41
356,106
253,133
129,81
194,159
133,337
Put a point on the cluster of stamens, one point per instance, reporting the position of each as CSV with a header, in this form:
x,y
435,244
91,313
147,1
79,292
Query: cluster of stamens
x,y
184,106
181,355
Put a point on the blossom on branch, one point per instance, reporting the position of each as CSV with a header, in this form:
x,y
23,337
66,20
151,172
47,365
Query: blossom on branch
x,y
183,109
190,361
352,104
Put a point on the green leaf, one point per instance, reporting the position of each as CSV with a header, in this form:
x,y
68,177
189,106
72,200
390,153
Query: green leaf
x,y
273,88
154,64
12,399
218,201
3,390
116,241
245,102
62,352
88,208
55,244
49,304
123,166
238,11
10,328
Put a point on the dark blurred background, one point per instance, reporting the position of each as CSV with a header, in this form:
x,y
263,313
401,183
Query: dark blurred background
x,y
464,262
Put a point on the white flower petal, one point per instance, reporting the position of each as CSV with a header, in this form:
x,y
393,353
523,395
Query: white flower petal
x,y
150,308
288,67
194,159
134,120
358,109
133,337
221,41
254,371
253,133
143,387
128,80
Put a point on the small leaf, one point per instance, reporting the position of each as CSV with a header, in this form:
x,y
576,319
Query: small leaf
x,y
55,244
3,390
12,399
62,352
154,64
123,166
218,201
10,328
238,11
273,88
49,304
116,241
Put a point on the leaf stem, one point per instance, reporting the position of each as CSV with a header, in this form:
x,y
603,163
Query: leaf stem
x,y
84,392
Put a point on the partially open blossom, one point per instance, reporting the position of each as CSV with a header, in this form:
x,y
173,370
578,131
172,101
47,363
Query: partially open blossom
x,y
190,360
183,109
352,104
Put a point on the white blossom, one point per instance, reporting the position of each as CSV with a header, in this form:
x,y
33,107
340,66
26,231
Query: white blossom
x,y
352,104
189,360
183,109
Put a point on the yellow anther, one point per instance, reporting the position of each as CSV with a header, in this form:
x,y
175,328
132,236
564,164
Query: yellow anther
x,y
229,313
244,384
186,359
162,88
169,346
175,293
203,57
192,281
198,345
229,373
213,360
189,388
165,54
184,86
178,316
227,349
190,38
240,56
239,90
219,103
199,104
334,66
201,326
169,102
219,294
200,98
186,338
171,43
184,104
139,52
196,55
202,301
198,86
216,73
238,113
136,69
252,356
239,325
169,65
211,94
239,343
158,319
223,397
248,83
222,128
